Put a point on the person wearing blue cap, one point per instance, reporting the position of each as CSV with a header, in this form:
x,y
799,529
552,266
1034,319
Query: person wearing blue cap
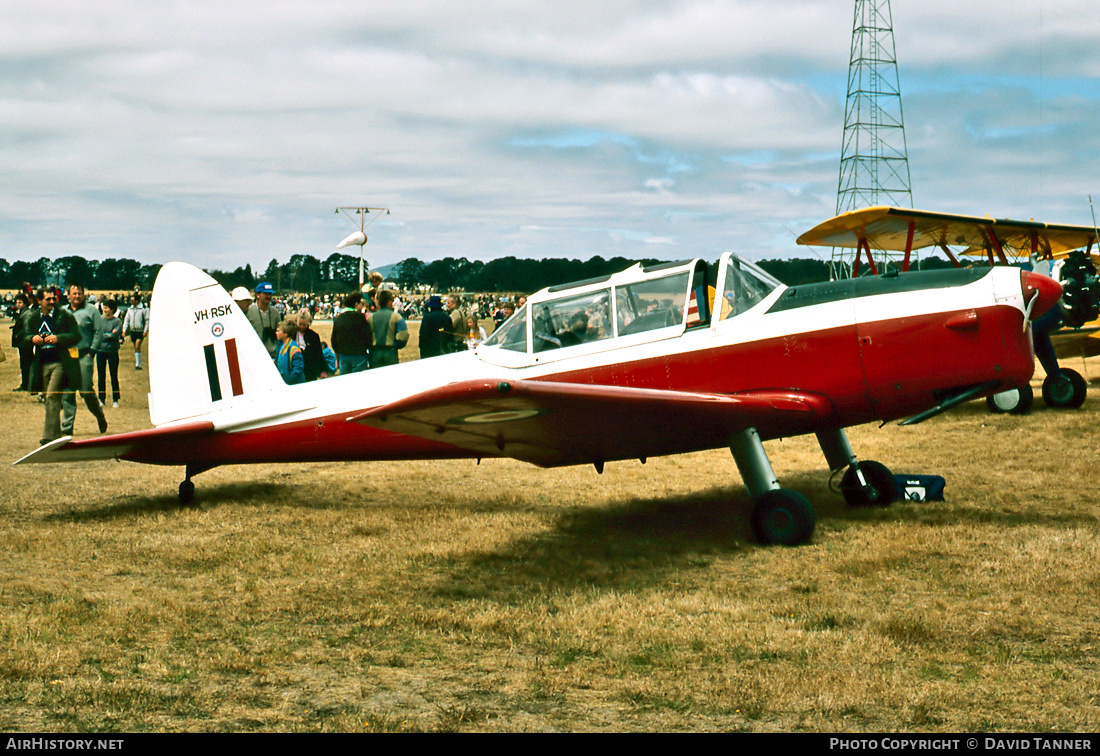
x,y
265,318
435,329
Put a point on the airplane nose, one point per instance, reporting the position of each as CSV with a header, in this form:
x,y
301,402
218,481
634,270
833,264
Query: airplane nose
x,y
1049,290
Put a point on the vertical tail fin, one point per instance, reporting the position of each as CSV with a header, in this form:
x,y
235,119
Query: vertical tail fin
x,y
204,355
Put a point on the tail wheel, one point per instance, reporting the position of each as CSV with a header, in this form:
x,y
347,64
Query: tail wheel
x,y
187,492
1065,389
880,488
1016,401
783,517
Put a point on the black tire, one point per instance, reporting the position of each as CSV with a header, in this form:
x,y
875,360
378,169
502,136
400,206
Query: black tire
x,y
187,492
1013,402
783,517
1065,390
881,488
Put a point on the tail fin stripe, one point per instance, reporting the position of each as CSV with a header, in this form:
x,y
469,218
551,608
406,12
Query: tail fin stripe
x,y
212,373
234,367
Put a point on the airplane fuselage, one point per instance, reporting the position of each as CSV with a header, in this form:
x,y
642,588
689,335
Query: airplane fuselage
x,y
876,349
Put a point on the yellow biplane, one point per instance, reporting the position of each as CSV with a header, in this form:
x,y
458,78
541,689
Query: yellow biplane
x,y
1062,251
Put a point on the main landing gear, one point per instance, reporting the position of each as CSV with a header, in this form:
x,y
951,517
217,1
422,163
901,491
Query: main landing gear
x,y
865,483
780,515
1065,389
783,516
786,517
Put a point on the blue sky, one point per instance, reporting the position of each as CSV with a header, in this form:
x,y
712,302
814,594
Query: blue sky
x,y
228,133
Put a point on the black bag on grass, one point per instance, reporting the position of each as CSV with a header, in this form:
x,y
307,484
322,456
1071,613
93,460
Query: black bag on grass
x,y
921,487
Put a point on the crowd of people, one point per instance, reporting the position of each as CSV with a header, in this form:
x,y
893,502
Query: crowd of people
x,y
368,330
65,339
411,305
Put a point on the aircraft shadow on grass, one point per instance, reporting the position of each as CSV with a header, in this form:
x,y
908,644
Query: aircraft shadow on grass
x,y
651,541
251,493
635,543
631,544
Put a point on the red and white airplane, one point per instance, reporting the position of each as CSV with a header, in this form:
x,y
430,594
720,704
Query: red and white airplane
x,y
627,366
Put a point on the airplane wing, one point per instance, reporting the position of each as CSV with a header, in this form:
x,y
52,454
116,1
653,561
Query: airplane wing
x,y
887,228
552,424
1082,343
116,446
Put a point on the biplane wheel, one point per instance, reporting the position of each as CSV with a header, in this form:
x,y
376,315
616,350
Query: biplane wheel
x,y
783,517
881,488
187,492
1065,389
1016,401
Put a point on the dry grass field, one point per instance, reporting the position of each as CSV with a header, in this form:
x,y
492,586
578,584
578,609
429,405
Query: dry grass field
x,y
448,596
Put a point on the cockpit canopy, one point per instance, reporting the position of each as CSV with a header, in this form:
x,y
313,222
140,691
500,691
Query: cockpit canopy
x,y
637,305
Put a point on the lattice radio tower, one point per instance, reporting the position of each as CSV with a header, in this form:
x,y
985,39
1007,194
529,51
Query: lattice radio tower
x,y
874,162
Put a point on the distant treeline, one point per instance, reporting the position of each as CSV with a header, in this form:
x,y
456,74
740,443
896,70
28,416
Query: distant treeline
x,y
339,273
109,275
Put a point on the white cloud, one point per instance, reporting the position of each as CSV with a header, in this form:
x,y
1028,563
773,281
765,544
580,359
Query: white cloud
x,y
226,133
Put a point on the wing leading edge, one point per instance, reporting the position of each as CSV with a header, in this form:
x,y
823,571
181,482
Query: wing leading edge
x,y
552,424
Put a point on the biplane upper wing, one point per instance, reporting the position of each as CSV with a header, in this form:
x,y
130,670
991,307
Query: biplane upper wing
x,y
888,228
550,423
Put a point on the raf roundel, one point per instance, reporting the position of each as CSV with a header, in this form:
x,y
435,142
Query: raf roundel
x,y
499,416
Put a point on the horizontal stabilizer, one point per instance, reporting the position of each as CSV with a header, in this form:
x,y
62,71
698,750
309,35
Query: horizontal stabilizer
x,y
116,446
551,424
